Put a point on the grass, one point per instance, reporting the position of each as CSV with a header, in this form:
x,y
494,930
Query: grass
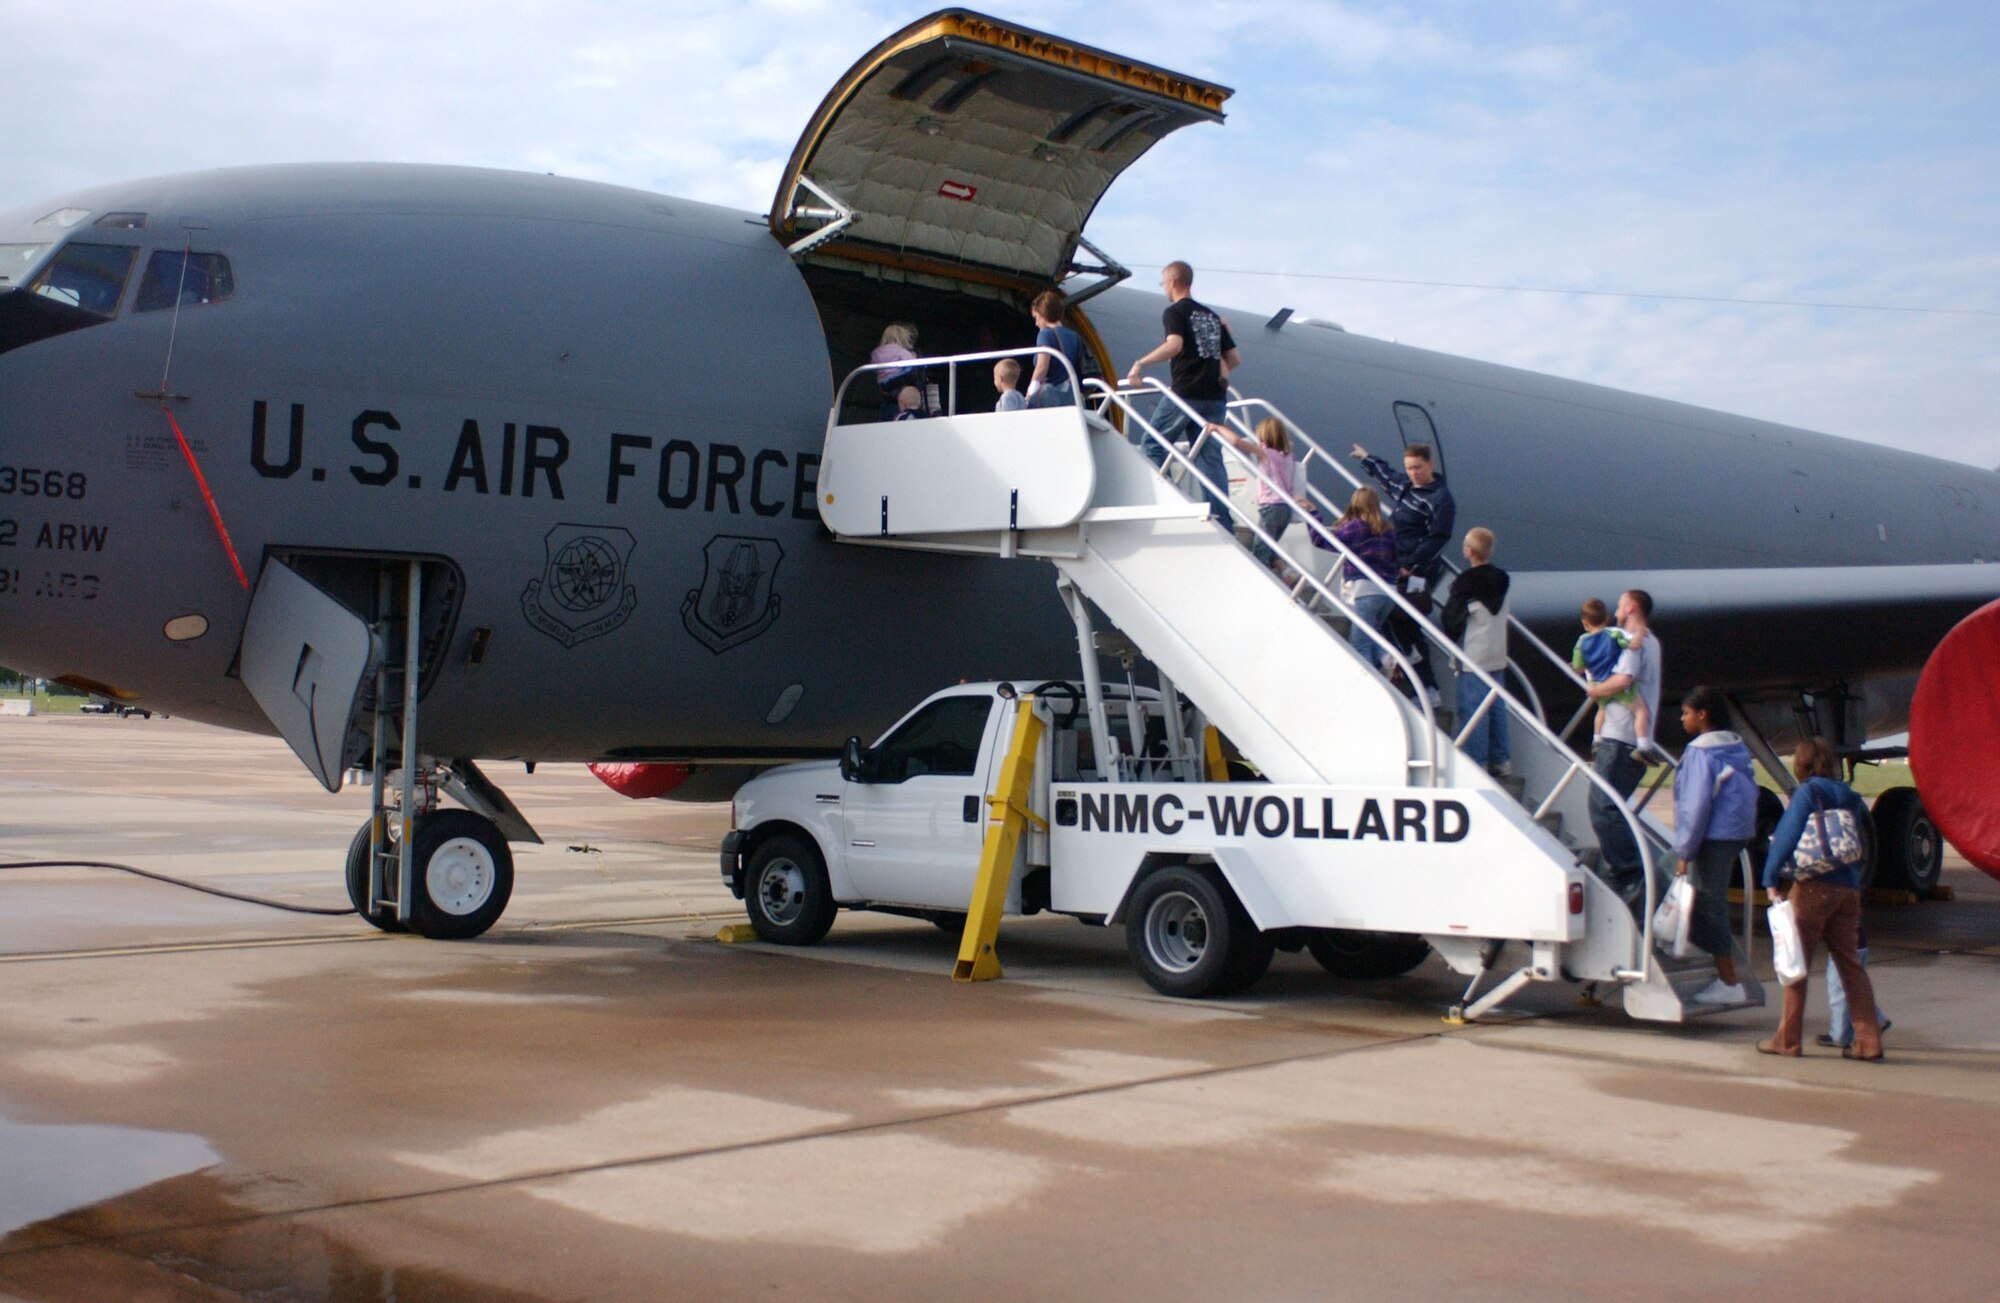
x,y
1869,780
47,703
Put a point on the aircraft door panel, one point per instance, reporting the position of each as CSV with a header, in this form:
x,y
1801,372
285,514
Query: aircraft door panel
x,y
306,658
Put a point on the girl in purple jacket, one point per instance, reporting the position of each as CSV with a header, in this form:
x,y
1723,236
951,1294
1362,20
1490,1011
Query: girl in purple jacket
x,y
1715,813
1368,536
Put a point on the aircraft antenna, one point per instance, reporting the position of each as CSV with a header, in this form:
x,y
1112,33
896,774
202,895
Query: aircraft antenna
x,y
173,329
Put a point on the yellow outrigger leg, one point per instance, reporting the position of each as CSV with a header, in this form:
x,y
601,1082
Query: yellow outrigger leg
x,y
1007,814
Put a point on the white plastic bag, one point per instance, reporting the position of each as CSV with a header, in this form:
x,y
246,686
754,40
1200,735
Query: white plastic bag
x,y
1670,920
1788,952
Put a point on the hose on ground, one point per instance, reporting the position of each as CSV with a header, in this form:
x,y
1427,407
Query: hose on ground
x,y
176,882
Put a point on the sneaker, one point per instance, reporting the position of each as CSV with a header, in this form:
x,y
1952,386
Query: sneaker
x,y
1505,769
1717,993
1437,702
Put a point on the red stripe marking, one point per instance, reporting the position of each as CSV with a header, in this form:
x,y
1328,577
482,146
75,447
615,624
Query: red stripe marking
x,y
201,481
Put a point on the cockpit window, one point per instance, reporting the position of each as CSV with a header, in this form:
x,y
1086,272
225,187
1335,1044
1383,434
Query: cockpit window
x,y
63,217
121,222
90,277
193,278
17,260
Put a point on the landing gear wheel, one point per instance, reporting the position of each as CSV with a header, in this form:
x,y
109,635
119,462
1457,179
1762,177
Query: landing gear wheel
x,y
463,872
1770,809
1366,955
786,893
1908,845
1189,936
357,882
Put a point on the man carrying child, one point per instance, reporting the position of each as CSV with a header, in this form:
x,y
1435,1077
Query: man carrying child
x,y
1595,657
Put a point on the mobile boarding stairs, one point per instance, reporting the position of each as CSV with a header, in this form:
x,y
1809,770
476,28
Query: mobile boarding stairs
x,y
1264,664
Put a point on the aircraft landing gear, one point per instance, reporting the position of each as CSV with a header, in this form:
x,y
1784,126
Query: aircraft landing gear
x,y
1909,849
462,875
441,873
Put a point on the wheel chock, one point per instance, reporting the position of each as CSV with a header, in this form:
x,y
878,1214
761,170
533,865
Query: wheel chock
x,y
1454,1016
732,933
1943,891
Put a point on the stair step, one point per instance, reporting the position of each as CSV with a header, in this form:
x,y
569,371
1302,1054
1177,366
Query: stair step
x,y
1552,823
1516,787
1591,857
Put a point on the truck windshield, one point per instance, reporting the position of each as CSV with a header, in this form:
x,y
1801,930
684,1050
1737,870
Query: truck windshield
x,y
17,260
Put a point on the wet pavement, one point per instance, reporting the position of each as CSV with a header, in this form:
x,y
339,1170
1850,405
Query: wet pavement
x,y
201,1099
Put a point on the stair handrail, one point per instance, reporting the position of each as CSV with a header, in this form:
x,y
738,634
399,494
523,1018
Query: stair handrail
x,y
1497,694
952,362
1120,397
1239,406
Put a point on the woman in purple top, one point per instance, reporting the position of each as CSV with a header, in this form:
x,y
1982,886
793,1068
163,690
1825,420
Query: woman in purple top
x,y
1368,536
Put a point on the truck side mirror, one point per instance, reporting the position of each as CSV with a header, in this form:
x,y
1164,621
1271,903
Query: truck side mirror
x,y
853,761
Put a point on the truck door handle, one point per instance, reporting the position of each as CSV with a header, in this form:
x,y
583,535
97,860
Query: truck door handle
x,y
972,809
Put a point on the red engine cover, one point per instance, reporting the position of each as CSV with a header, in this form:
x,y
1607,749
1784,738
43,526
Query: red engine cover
x,y
1955,737
641,782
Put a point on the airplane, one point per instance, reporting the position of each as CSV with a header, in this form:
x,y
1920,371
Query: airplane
x,y
251,417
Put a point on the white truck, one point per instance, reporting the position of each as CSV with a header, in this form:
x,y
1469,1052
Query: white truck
x,y
1207,877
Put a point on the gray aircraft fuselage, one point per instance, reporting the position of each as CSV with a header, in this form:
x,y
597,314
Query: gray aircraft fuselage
x,y
487,367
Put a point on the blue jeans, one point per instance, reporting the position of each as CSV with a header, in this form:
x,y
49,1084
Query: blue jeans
x,y
1273,519
1053,395
1487,744
1172,422
1708,926
1621,870
1372,609
1839,1025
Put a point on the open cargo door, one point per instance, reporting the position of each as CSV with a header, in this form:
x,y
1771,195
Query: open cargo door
x,y
972,149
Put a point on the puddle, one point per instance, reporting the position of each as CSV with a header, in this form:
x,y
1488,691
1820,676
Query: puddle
x,y
210,1251
48,1170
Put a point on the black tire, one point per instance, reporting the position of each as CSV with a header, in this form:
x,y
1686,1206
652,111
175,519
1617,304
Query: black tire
x,y
463,875
1770,809
357,883
1871,847
786,892
1190,937
1909,848
1366,955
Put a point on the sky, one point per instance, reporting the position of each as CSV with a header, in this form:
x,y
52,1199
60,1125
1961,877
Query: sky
x,y
1826,153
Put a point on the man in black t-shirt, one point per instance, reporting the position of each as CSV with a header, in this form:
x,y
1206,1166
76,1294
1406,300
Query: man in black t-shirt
x,y
1203,354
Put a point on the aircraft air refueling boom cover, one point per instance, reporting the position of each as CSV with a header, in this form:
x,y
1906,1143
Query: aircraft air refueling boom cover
x,y
1955,737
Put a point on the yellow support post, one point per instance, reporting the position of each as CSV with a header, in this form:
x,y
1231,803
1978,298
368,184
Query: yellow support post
x,y
1007,813
1211,755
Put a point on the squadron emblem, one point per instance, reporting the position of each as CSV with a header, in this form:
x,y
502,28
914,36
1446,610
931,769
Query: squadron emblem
x,y
735,602
582,591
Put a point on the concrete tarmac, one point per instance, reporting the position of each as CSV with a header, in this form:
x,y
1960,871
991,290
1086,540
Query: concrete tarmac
x,y
201,1099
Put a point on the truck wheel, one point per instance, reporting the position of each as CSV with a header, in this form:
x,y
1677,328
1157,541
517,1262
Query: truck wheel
x,y
786,892
1190,937
357,883
1909,848
1366,955
463,875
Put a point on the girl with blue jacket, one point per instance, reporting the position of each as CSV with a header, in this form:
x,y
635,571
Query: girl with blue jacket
x,y
1827,906
1715,813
